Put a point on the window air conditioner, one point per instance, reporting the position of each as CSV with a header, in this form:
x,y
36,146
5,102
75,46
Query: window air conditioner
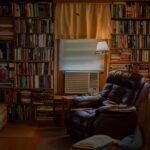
x,y
81,82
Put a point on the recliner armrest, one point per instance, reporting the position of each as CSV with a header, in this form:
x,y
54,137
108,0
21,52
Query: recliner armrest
x,y
86,101
116,108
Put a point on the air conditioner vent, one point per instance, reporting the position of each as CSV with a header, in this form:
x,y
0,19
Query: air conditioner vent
x,y
81,82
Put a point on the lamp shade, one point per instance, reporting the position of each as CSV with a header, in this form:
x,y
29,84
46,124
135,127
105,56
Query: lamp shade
x,y
102,46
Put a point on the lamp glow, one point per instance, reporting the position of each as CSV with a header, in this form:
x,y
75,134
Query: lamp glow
x,y
102,47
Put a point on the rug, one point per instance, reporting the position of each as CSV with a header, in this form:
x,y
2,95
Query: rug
x,y
19,131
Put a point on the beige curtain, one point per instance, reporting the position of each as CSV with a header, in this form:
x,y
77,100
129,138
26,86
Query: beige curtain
x,y
82,20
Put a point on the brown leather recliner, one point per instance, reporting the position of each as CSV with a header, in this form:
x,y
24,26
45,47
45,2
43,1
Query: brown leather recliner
x,y
113,112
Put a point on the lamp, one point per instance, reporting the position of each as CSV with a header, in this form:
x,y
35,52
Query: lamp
x,y
102,47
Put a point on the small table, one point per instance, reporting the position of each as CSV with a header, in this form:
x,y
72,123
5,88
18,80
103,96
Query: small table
x,y
63,100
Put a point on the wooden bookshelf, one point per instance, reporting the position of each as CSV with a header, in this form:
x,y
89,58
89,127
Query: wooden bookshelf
x,y
33,54
7,85
130,42
26,51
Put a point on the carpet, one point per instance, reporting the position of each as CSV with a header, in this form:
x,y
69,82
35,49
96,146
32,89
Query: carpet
x,y
19,131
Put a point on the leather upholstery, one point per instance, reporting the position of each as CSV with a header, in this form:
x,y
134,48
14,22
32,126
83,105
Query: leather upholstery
x,y
113,112
123,87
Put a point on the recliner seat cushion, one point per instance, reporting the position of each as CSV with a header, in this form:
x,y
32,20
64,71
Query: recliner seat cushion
x,y
82,118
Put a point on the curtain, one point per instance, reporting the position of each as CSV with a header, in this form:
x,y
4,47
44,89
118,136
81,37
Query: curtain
x,y
82,21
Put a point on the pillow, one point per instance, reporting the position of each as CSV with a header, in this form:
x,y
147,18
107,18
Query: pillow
x,y
94,142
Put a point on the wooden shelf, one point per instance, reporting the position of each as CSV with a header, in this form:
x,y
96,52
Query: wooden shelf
x,y
49,33
32,61
41,18
33,88
124,18
130,34
130,62
32,38
115,49
7,87
130,49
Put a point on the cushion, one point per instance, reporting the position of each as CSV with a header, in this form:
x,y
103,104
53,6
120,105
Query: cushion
x,y
134,141
95,142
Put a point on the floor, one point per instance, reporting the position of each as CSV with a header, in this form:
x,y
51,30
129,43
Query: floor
x,y
34,136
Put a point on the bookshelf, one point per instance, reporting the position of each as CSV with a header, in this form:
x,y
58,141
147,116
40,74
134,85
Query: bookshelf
x,y
130,42
33,55
43,104
26,53
7,71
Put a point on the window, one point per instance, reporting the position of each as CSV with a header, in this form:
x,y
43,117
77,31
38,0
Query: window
x,y
79,55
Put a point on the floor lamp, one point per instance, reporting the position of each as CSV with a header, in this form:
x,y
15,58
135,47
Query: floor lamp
x,y
103,49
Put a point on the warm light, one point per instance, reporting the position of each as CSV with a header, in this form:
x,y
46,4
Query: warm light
x,y
102,47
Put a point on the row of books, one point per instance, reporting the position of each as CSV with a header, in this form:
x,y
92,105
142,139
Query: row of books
x,y
137,68
130,41
33,68
140,56
6,50
5,9
41,96
123,67
26,112
45,54
24,97
34,40
34,25
3,71
35,96
36,9
36,81
6,71
130,27
7,95
130,55
131,10
44,113
30,112
23,112
43,104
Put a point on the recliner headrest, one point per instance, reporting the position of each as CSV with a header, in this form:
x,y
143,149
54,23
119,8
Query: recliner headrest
x,y
131,80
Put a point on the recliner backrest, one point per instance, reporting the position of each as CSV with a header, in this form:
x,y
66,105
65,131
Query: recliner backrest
x,y
123,87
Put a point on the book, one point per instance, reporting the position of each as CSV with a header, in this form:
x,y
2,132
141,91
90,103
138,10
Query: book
x,y
3,71
5,9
